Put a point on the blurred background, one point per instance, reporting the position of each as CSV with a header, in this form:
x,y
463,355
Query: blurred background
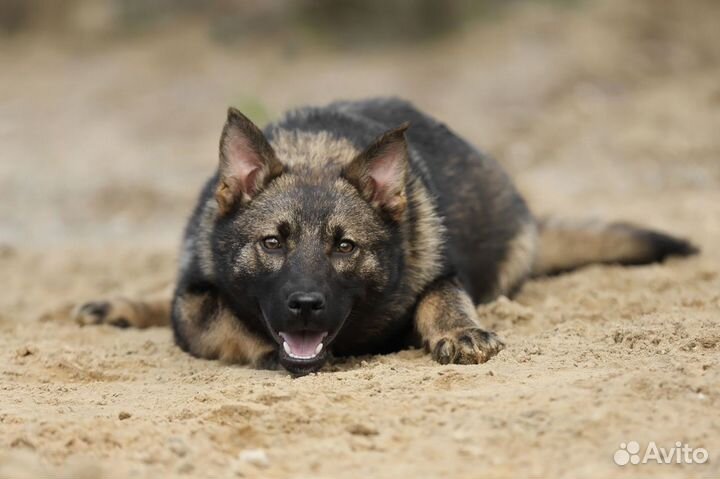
x,y
110,110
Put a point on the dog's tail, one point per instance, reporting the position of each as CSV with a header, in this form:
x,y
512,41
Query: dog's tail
x,y
564,245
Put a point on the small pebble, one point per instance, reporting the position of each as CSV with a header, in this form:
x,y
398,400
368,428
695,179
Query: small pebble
x,y
177,446
27,350
256,457
185,468
124,415
362,430
22,442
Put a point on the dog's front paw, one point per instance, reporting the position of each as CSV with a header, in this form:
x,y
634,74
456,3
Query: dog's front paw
x,y
115,312
466,346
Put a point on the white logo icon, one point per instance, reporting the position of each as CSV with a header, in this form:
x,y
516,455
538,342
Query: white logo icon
x,y
629,453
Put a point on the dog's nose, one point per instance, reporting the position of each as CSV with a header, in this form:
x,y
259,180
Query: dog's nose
x,y
302,303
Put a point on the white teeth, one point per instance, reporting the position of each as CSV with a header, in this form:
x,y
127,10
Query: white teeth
x,y
289,352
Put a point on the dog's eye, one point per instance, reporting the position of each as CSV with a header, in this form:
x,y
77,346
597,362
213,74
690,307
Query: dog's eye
x,y
271,243
345,246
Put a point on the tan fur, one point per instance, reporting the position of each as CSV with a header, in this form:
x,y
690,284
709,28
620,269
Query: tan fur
x,y
426,317
448,324
228,340
318,149
519,260
123,312
224,195
567,244
220,336
425,251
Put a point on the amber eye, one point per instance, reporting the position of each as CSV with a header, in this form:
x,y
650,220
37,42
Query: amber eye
x,y
345,246
271,242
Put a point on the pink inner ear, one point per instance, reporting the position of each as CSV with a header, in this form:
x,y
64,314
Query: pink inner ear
x,y
242,161
387,172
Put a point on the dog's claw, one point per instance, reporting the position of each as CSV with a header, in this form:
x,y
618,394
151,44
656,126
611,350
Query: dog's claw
x,y
467,346
100,312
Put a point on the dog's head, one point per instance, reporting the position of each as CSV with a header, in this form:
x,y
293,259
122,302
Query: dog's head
x,y
307,244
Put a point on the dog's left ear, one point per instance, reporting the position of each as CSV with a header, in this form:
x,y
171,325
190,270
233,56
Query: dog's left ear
x,y
247,162
379,173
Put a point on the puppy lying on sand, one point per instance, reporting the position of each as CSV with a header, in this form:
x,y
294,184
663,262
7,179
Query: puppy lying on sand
x,y
355,228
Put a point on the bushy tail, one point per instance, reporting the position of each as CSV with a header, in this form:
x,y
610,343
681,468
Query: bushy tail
x,y
565,245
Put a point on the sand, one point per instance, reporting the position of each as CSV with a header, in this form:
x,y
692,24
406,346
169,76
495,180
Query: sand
x,y
609,110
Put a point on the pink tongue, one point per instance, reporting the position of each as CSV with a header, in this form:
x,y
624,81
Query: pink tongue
x,y
303,343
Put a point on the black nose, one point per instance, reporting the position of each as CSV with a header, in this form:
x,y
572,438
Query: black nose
x,y
303,303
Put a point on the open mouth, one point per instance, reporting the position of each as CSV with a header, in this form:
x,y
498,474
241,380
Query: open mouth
x,y
303,351
303,345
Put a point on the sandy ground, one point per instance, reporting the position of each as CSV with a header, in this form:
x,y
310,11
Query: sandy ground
x,y
610,110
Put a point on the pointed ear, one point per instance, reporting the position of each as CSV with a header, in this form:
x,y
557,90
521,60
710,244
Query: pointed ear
x,y
247,161
379,172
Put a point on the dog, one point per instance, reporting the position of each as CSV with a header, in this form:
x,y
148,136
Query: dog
x,y
360,228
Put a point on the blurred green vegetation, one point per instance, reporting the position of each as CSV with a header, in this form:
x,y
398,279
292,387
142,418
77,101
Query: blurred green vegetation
x,y
254,109
340,23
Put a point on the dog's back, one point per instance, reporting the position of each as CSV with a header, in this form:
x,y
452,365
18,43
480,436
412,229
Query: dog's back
x,y
492,242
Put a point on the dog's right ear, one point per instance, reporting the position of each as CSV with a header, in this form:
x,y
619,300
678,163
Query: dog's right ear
x,y
247,162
